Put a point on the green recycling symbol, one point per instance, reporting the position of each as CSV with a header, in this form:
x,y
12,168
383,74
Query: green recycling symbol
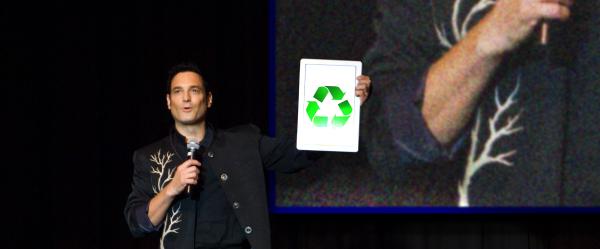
x,y
323,121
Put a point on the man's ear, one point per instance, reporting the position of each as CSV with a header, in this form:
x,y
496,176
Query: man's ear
x,y
209,99
168,101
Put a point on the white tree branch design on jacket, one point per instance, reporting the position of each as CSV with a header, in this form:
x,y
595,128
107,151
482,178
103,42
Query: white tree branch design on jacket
x,y
174,214
161,161
172,218
477,161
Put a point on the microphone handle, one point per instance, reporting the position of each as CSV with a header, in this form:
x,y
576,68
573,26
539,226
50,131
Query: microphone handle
x,y
189,189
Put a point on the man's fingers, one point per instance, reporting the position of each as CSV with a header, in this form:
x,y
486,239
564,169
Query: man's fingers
x,y
361,93
363,86
190,163
553,11
194,162
191,178
363,80
567,3
362,77
192,171
189,171
190,181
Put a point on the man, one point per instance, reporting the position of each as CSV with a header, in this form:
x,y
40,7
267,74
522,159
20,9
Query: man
x,y
227,203
477,111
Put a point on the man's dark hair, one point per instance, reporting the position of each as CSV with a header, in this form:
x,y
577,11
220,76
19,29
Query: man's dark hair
x,y
185,67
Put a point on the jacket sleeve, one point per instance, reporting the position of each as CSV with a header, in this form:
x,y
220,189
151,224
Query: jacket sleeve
x,y
281,155
136,208
406,46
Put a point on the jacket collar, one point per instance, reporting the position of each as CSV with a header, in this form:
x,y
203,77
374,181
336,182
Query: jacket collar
x,y
179,143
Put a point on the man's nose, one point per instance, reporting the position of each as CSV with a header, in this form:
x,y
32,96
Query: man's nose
x,y
186,97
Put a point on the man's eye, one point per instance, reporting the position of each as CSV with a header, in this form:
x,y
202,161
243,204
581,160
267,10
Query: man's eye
x,y
195,90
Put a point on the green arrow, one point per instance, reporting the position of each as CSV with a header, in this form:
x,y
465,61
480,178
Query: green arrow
x,y
336,92
339,121
345,107
320,121
312,109
321,93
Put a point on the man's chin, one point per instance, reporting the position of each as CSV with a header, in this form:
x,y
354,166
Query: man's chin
x,y
191,121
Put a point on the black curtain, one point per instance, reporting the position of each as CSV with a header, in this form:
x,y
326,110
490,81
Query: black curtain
x,y
85,85
86,82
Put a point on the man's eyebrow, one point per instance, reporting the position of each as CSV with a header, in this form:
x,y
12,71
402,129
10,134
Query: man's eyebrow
x,y
181,88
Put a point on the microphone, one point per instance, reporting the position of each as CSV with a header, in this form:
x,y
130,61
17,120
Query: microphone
x,y
192,146
544,33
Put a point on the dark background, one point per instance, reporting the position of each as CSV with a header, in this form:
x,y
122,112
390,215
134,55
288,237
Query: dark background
x,y
83,87
339,30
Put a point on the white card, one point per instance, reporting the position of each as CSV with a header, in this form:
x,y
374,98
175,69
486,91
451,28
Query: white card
x,y
328,110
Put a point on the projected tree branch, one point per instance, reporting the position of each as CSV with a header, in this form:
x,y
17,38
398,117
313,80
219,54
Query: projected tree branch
x,y
477,161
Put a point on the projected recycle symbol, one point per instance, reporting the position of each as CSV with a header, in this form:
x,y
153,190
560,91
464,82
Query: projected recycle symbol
x,y
313,107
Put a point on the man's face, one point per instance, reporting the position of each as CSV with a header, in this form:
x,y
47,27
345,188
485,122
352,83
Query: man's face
x,y
188,100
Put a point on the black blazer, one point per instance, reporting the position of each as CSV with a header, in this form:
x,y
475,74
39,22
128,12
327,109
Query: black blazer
x,y
239,157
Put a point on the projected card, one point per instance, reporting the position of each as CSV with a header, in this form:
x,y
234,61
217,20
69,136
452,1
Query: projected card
x,y
328,110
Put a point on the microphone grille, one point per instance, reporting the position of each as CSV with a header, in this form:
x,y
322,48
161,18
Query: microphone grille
x,y
193,144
